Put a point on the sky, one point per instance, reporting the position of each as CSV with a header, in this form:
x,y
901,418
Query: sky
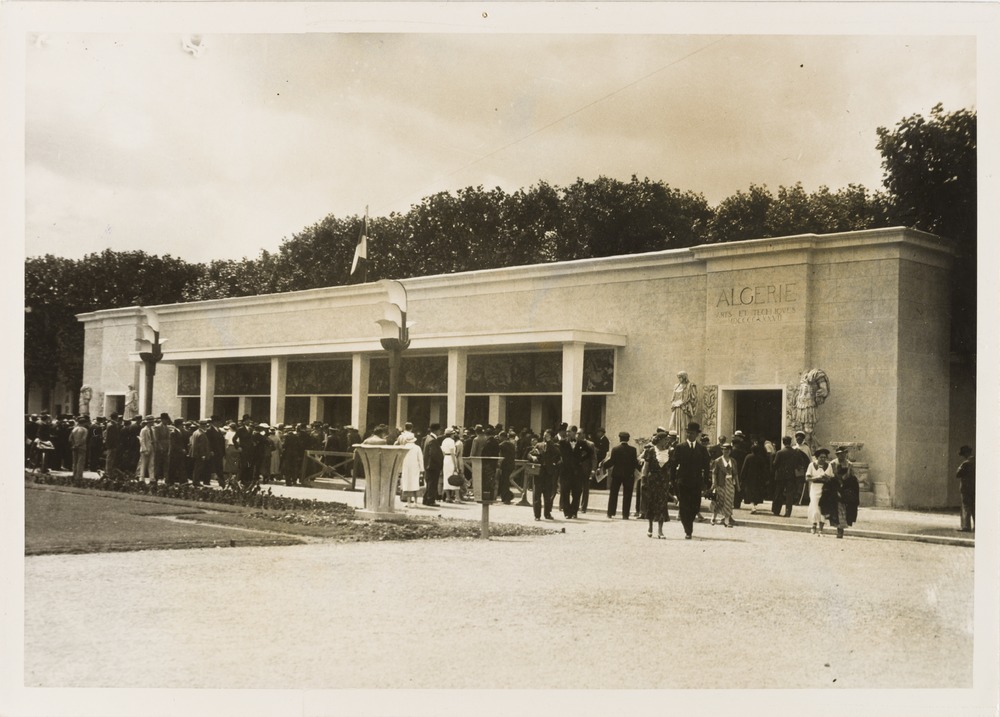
x,y
219,145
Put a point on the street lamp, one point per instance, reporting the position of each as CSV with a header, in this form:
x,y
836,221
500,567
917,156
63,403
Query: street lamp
x,y
395,337
150,353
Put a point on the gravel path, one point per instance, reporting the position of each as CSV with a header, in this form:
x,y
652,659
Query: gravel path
x,y
601,606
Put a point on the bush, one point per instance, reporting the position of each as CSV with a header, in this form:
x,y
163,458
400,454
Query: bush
x,y
184,491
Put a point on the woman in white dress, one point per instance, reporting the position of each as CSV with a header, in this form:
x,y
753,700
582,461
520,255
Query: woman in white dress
x,y
818,473
450,466
413,467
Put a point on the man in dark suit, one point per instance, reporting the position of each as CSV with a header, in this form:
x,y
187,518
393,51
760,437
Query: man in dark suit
x,y
433,463
690,468
570,478
244,441
787,464
200,452
217,445
508,452
622,464
112,441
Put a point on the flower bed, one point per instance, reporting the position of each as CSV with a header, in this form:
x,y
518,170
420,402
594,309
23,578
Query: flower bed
x,y
185,491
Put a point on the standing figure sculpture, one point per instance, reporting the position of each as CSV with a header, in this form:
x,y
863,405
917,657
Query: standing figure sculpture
x,y
814,388
131,403
86,393
682,403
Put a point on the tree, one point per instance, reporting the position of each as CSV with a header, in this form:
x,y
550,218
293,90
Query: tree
x,y
929,169
612,217
57,289
757,213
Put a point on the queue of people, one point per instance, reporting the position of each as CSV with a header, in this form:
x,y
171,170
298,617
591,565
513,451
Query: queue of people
x,y
173,451
564,461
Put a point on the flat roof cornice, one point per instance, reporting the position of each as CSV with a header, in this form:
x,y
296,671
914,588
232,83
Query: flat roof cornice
x,y
684,262
474,341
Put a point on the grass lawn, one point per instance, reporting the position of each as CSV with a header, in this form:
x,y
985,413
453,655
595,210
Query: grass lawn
x,y
60,519
73,522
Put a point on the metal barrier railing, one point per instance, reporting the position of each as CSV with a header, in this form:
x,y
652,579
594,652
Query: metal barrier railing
x,y
325,470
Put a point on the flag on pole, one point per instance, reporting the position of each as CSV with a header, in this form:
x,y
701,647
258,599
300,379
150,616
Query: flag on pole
x,y
361,251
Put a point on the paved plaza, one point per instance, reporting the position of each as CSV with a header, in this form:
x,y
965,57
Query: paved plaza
x,y
600,605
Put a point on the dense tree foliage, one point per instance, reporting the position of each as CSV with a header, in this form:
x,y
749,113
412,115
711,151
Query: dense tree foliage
x,y
930,171
757,213
929,176
56,289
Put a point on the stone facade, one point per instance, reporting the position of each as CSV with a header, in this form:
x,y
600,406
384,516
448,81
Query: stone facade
x,y
869,308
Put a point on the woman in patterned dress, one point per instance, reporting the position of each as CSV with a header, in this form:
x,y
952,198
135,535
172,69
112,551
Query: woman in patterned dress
x,y
655,483
725,479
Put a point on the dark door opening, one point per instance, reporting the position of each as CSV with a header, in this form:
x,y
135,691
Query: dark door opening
x,y
477,410
592,414
336,410
758,413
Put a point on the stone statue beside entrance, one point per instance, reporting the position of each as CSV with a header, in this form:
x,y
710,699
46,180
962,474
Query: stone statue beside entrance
x,y
131,403
813,390
86,394
683,403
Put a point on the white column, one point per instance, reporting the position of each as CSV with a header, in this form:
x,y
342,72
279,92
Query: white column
x,y
402,411
457,363
141,387
206,398
279,370
241,407
435,414
536,415
572,382
360,368
313,408
497,409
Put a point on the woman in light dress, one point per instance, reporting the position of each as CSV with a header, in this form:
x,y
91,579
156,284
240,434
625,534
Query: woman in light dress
x,y
413,467
817,474
450,467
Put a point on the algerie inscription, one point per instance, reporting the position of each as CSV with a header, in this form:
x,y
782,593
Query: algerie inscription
x,y
766,303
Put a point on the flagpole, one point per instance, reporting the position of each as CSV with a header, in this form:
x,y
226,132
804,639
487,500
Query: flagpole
x,y
364,269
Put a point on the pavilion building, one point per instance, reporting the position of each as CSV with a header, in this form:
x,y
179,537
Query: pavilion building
x,y
598,342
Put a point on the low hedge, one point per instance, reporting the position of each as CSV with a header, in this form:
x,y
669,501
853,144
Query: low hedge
x,y
185,491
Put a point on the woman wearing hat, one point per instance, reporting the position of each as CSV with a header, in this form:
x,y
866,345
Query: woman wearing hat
x,y
841,493
656,491
818,474
725,481
413,466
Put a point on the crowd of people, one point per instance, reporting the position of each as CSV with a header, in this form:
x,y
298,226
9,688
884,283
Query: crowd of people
x,y
173,451
564,461
746,470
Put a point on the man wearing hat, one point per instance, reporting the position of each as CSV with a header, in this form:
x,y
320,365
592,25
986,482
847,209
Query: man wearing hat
x,y
244,442
785,468
966,475
112,442
623,463
690,468
144,470
78,438
200,453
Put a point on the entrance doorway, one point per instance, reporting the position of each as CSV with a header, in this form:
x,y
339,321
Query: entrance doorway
x,y
477,410
758,413
336,410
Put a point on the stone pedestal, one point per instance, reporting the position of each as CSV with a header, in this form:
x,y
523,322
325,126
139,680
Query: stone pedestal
x,y
382,466
484,486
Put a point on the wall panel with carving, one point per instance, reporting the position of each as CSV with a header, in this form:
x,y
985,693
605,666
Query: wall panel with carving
x,y
243,379
598,371
189,380
307,378
514,373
